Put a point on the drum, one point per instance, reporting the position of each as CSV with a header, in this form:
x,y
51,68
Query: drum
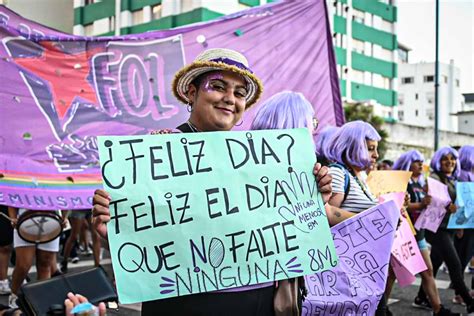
x,y
39,226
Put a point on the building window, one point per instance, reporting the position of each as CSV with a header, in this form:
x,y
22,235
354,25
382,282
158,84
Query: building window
x,y
89,29
156,12
400,99
358,16
445,78
428,78
408,80
137,17
457,82
416,112
416,96
358,46
400,115
430,97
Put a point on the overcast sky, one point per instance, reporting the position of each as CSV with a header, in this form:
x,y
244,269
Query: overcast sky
x,y
416,29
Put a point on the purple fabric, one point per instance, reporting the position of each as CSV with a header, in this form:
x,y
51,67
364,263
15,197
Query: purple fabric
x,y
50,116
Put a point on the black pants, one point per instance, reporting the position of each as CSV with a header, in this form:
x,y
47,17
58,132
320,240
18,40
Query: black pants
x,y
258,302
442,249
382,307
465,249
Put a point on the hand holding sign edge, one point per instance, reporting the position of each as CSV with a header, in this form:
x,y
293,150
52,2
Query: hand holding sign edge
x,y
101,212
324,180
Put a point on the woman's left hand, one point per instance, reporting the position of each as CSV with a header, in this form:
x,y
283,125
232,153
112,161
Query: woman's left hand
x,y
74,300
324,180
452,208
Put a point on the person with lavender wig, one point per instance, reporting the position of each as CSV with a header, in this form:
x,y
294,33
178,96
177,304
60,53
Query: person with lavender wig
x,y
446,168
290,109
354,149
322,144
413,161
464,240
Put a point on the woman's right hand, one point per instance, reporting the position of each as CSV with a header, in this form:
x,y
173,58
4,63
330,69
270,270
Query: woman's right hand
x,y
426,200
100,212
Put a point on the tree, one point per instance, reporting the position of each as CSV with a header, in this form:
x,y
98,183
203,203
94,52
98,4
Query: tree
x,y
363,112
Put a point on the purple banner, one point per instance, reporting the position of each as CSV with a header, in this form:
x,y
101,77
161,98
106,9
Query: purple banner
x,y
61,91
355,286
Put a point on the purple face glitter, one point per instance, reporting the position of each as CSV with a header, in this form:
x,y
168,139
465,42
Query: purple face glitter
x,y
207,83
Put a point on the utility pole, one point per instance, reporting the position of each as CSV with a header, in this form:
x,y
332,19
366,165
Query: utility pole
x,y
118,5
436,85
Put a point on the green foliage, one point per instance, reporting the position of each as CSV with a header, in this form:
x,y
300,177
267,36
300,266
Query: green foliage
x,y
359,111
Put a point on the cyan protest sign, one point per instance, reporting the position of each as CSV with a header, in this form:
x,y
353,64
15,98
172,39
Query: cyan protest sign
x,y
464,216
355,286
202,212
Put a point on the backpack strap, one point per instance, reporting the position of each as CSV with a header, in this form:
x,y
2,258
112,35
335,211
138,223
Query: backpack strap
x,y
347,178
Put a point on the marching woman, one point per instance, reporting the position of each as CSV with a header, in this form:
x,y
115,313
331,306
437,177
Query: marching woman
x,y
413,161
464,240
445,168
218,87
26,252
354,150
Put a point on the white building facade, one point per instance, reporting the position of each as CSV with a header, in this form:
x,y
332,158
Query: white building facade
x,y
416,95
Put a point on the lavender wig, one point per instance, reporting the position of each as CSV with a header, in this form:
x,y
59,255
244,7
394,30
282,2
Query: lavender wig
x,y
466,160
349,144
406,159
285,109
439,154
323,140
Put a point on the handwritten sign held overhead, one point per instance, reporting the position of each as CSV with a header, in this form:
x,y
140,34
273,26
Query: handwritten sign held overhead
x,y
355,286
464,216
202,212
388,181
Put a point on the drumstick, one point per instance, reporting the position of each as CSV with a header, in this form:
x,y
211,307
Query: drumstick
x,y
6,216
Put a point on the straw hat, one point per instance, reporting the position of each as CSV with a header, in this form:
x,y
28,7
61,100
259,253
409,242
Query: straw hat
x,y
212,60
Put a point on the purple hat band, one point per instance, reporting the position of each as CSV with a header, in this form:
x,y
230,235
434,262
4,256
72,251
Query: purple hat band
x,y
231,62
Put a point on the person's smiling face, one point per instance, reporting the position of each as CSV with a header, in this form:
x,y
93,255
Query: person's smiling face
x,y
219,101
448,164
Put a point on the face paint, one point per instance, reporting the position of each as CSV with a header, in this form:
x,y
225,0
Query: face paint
x,y
207,83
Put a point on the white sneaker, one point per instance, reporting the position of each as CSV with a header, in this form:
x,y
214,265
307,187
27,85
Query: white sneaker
x,y
12,301
4,287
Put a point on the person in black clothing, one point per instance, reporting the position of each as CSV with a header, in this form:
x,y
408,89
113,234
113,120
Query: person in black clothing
x,y
419,200
445,168
218,87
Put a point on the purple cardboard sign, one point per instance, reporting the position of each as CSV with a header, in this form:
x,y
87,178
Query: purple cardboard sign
x,y
434,213
356,284
63,90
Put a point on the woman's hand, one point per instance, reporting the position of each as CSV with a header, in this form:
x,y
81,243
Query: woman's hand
x,y
452,208
74,300
426,201
100,212
14,222
324,180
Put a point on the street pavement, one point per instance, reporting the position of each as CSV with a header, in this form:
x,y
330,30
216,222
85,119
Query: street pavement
x,y
399,304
